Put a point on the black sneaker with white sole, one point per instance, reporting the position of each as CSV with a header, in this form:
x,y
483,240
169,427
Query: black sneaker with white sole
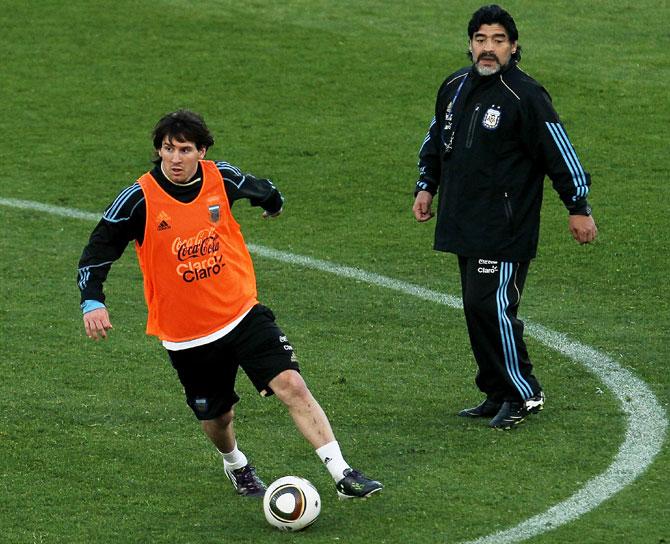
x,y
488,408
509,416
535,403
246,482
512,413
356,485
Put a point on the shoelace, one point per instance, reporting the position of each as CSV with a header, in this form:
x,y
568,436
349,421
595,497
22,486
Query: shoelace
x,y
247,476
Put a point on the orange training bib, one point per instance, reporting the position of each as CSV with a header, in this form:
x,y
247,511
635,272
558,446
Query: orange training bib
x,y
198,274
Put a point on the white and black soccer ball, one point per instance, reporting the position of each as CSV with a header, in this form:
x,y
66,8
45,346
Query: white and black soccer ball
x,y
291,503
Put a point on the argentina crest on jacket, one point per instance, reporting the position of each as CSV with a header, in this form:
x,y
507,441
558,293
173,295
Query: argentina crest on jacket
x,y
491,118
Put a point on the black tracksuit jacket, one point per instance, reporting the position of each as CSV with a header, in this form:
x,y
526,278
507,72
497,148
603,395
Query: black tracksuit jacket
x,y
489,176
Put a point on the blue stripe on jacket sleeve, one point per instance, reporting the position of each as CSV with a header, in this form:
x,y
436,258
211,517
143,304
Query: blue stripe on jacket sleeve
x,y
113,213
570,158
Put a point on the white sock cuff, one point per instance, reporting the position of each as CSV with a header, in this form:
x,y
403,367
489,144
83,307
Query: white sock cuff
x,y
333,446
331,456
234,459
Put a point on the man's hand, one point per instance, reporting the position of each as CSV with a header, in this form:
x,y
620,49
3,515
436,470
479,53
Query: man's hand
x,y
96,323
422,206
583,228
267,215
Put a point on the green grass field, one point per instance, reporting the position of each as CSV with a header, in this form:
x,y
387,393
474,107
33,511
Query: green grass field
x,y
331,100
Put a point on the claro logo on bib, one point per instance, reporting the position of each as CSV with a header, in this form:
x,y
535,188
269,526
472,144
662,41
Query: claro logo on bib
x,y
197,256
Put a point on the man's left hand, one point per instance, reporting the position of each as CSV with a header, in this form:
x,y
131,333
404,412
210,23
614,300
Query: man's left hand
x,y
583,228
267,215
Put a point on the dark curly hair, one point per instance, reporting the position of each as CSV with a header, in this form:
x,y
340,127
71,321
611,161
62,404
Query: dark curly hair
x,y
491,15
183,126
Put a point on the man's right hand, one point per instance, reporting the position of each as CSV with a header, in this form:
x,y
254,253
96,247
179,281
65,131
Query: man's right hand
x,y
96,323
422,206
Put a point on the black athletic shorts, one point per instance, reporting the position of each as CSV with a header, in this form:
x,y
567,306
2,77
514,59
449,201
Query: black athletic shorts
x,y
208,372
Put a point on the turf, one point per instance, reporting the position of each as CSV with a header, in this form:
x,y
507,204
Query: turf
x,y
331,100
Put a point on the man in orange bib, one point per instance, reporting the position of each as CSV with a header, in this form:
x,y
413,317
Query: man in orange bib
x,y
200,290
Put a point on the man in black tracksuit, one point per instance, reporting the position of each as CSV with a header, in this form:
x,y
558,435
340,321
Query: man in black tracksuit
x,y
494,137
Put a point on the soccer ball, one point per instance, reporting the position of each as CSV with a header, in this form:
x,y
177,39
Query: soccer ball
x,y
291,503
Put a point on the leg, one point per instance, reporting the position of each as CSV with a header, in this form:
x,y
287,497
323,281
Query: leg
x,y
236,466
309,417
208,376
519,369
220,431
491,297
268,359
312,422
488,379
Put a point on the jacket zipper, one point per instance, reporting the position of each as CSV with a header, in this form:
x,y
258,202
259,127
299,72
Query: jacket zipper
x,y
508,209
471,127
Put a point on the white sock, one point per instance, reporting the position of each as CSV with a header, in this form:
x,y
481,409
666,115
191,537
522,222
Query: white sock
x,y
331,456
234,459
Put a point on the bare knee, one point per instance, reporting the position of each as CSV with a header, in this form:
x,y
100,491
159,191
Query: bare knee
x,y
289,387
219,423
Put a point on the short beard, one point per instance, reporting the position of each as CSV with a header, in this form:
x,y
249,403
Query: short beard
x,y
486,71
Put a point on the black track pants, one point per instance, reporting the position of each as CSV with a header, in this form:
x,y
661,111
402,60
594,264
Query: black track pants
x,y
491,295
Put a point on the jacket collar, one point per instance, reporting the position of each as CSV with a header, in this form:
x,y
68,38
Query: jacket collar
x,y
193,184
